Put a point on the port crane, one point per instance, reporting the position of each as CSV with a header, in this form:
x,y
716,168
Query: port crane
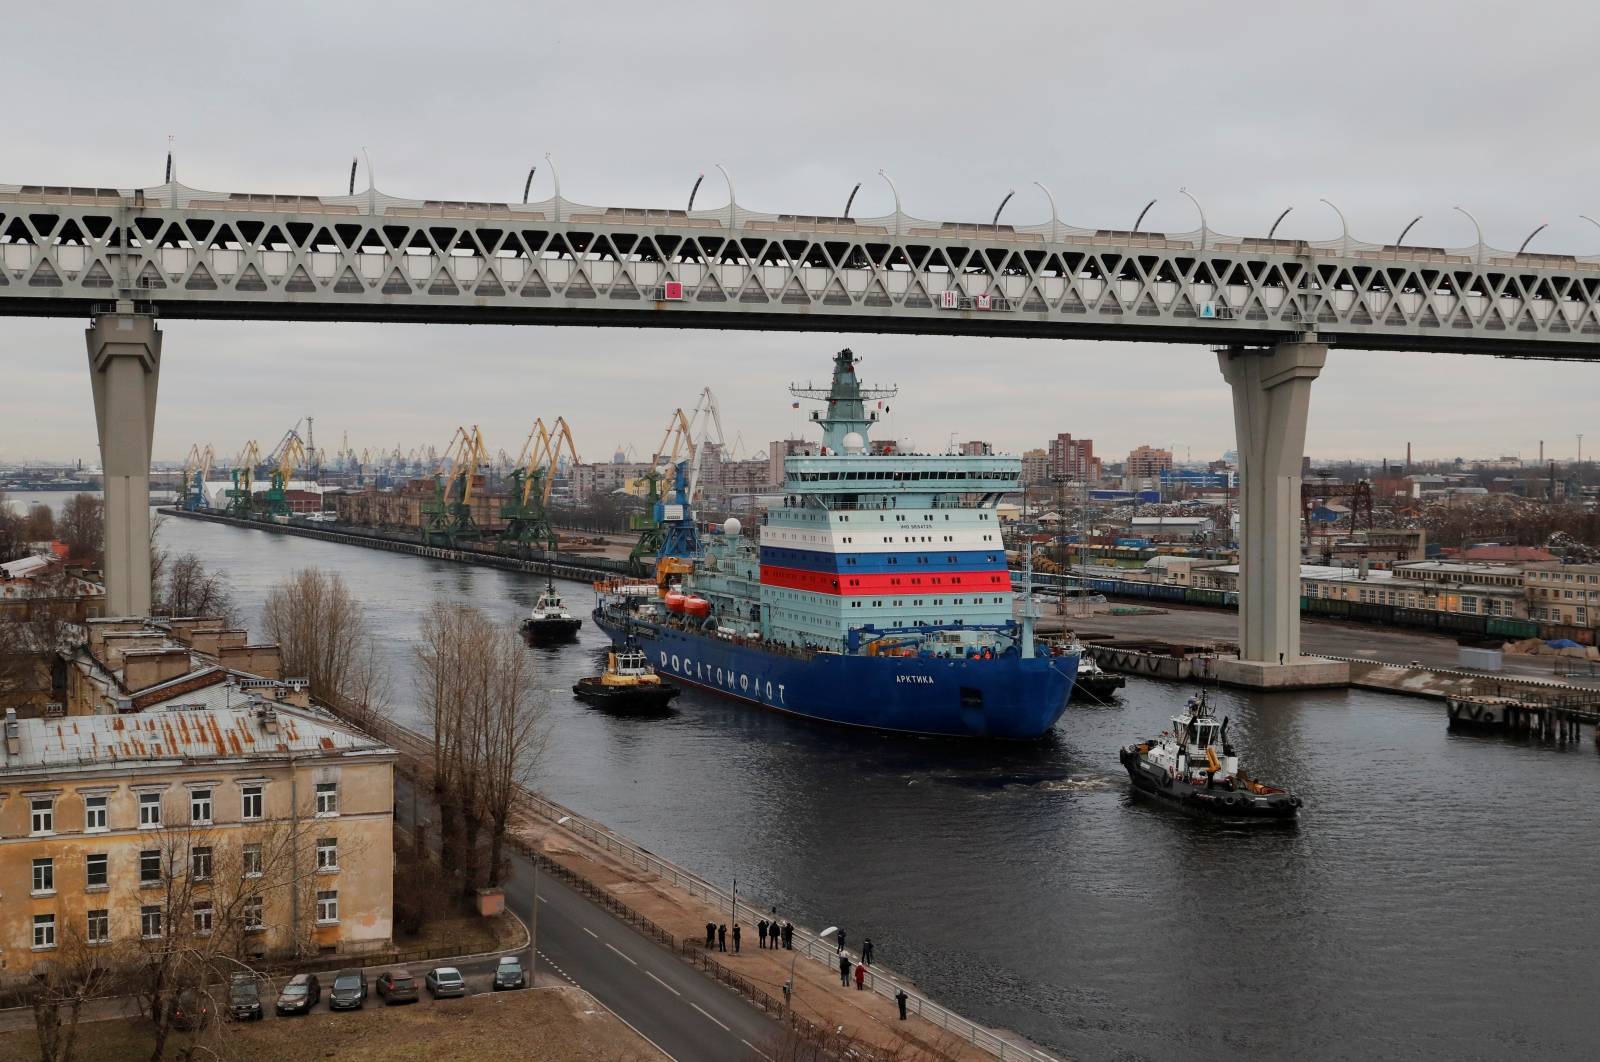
x,y
668,528
291,455
243,477
447,517
532,477
196,471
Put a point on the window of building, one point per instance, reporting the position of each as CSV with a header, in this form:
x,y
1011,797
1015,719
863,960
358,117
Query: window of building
x,y
327,798
44,931
94,813
95,873
202,917
200,806
327,906
200,863
149,866
327,853
254,919
252,860
250,798
99,928
44,876
44,815
150,922
149,810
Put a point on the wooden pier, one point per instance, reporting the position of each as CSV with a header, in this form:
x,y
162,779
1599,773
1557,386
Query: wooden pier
x,y
1554,717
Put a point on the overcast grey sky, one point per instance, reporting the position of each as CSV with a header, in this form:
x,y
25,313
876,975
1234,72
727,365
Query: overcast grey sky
x,y
1388,109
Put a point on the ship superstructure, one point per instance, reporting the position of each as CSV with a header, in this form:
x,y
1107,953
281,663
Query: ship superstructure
x,y
879,589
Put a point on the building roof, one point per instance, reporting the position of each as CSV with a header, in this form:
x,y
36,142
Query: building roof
x,y
25,567
258,731
1523,554
1326,572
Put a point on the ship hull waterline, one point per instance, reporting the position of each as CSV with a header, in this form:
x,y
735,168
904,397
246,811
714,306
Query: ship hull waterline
x,y
1006,698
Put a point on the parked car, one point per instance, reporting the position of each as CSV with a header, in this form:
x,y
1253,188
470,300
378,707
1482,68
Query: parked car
x,y
349,990
445,981
190,1010
397,986
300,995
244,998
509,974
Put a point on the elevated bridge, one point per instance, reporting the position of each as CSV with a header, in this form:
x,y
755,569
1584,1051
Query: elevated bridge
x,y
1270,308
374,257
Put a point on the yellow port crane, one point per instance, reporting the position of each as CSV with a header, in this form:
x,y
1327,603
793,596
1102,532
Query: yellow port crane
x,y
532,477
447,518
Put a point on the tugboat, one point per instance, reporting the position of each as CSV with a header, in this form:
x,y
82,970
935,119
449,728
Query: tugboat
x,y
1094,684
1195,767
628,684
550,622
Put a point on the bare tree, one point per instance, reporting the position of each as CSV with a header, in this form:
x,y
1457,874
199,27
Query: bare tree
x,y
188,588
40,523
323,632
82,529
13,543
223,895
76,972
476,682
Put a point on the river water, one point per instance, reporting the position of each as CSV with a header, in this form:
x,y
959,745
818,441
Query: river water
x,y
1436,902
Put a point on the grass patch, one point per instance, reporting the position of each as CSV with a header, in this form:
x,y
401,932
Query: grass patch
x,y
466,934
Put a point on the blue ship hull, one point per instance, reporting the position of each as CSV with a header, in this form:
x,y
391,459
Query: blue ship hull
x,y
1006,697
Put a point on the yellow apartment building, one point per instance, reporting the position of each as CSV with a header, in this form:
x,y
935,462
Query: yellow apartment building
x,y
264,824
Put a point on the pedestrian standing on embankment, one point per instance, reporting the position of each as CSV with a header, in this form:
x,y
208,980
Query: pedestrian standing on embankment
x,y
736,938
761,931
844,970
866,951
861,976
722,937
711,935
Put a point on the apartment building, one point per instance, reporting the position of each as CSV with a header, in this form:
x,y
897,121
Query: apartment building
x,y
262,829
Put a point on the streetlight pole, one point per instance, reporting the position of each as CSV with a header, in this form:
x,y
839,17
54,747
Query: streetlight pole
x,y
788,986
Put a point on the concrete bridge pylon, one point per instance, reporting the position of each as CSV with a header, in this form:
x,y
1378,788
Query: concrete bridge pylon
x,y
1271,403
124,368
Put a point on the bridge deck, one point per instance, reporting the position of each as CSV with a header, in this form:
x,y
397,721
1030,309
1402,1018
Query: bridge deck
x,y
370,257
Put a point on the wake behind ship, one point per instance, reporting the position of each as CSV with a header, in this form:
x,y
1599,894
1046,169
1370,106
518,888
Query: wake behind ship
x,y
877,594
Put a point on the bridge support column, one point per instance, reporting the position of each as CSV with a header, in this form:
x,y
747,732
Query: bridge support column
x,y
124,367
1271,401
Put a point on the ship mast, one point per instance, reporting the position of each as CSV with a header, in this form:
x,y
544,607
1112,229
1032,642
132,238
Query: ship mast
x,y
847,403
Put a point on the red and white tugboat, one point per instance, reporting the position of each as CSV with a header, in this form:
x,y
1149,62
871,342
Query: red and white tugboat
x,y
1194,767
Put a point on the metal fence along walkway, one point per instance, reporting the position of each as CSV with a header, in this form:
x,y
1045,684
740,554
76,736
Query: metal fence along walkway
x,y
369,256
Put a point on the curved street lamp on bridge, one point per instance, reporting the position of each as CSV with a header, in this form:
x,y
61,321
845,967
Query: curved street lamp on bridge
x,y
1204,232
896,193
1477,228
1055,220
1344,228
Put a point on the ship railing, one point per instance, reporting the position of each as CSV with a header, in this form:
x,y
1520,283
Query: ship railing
x,y
750,910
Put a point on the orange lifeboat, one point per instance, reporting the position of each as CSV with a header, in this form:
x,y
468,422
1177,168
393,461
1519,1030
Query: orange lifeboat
x,y
698,607
675,601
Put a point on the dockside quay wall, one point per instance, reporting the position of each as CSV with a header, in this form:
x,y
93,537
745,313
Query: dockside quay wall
x,y
1359,611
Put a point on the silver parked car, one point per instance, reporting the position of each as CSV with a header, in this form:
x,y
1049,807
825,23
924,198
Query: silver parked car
x,y
443,981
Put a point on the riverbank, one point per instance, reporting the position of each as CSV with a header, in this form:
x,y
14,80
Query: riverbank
x,y
573,567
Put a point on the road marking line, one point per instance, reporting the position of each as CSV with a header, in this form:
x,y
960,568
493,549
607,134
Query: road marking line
x,y
662,983
696,1006
541,899
757,1050
613,948
591,932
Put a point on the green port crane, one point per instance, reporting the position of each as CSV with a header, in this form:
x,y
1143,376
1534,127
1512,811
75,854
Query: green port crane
x,y
291,454
526,511
196,471
447,518
243,477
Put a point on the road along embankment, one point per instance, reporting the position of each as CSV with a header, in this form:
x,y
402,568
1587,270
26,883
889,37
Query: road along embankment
x,y
672,905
